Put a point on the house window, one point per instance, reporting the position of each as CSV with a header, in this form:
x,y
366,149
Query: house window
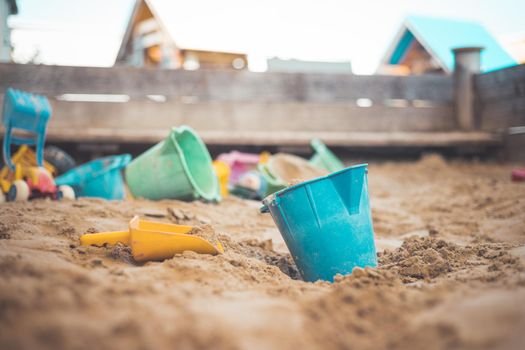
x,y
238,63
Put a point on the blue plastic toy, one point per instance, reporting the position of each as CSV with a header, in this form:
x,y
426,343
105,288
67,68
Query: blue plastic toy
x,y
326,223
25,112
99,178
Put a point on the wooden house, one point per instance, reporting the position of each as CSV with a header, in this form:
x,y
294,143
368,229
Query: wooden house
x,y
148,42
424,45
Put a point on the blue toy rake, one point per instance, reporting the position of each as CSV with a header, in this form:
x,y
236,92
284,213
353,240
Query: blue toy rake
x,y
29,113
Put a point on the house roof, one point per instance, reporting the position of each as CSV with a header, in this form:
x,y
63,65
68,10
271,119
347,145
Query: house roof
x,y
183,37
439,36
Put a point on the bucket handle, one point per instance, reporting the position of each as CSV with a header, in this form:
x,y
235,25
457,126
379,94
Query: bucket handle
x,y
265,207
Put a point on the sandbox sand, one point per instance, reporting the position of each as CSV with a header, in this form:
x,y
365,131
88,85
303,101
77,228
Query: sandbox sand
x,y
452,274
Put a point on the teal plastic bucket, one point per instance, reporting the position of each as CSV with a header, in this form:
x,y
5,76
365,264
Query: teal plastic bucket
x,y
99,178
180,167
326,223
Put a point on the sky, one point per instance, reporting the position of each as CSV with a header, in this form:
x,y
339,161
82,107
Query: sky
x,y
89,32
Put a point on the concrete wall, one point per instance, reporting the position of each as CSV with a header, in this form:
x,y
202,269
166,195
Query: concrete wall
x,y
225,102
500,98
242,107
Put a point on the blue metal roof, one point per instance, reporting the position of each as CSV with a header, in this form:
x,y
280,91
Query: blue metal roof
x,y
439,36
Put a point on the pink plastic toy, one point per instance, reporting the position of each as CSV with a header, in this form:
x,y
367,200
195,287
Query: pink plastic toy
x,y
518,175
239,163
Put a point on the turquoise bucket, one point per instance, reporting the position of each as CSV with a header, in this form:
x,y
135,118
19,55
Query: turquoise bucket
x,y
99,178
326,223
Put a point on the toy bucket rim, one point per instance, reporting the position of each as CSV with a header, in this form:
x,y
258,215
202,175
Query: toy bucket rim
x,y
199,192
118,161
271,198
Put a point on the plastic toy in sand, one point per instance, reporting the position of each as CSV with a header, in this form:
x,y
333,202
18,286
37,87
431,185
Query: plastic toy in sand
x,y
25,175
251,185
323,158
180,167
100,178
518,175
326,223
222,171
283,169
28,181
150,240
240,163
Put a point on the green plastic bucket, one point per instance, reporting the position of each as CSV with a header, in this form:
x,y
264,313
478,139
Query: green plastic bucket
x,y
282,169
323,158
273,183
180,167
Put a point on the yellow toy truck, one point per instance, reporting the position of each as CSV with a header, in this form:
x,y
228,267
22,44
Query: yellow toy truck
x,y
30,181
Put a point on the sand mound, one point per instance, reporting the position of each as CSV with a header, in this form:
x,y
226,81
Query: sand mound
x,y
451,277
429,258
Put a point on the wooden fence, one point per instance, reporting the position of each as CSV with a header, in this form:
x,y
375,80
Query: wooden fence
x,y
500,98
248,108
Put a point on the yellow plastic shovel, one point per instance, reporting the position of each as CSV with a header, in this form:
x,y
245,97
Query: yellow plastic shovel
x,y
150,240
